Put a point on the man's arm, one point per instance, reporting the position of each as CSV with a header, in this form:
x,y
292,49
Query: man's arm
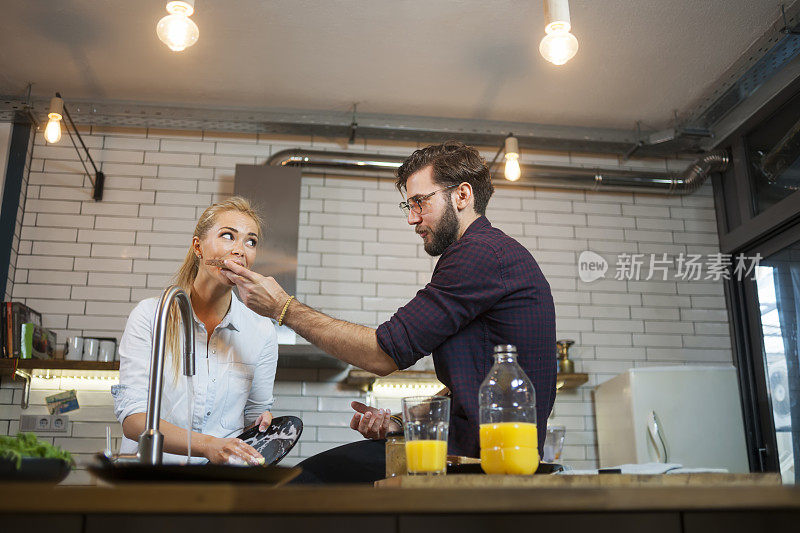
x,y
351,343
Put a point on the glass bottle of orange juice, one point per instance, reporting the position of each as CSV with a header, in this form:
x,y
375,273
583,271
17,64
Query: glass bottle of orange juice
x,y
508,438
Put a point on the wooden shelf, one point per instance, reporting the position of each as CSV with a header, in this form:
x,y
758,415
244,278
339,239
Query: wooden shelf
x,y
570,381
7,365
363,379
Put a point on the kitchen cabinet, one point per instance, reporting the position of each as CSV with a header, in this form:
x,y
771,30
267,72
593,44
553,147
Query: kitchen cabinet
x,y
552,522
215,507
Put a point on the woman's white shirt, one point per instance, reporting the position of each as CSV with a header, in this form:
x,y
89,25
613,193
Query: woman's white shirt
x,y
233,381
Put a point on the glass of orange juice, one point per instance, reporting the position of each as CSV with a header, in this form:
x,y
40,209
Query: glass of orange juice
x,y
426,421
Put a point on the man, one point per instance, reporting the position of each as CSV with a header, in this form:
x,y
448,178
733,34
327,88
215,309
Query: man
x,y
486,290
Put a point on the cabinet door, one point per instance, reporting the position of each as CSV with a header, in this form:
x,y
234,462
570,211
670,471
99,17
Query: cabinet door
x,y
62,523
229,523
741,522
544,522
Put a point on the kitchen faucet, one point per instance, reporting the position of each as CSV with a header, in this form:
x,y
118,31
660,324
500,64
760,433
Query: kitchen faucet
x,y
151,441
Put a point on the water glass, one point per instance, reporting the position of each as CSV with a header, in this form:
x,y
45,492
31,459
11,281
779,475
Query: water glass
x,y
426,421
553,443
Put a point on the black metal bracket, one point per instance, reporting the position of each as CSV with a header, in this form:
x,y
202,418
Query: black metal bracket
x,y
98,183
353,126
786,29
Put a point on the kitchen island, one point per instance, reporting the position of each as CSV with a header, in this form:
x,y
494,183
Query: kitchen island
x,y
209,507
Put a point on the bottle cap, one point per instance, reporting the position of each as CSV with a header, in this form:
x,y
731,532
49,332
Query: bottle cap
x,y
505,348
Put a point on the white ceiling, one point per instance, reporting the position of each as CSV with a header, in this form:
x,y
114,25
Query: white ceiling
x,y
638,59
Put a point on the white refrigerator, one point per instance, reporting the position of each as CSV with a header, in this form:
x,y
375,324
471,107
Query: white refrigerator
x,y
689,415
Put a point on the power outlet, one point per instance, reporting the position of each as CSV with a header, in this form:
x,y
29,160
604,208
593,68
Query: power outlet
x,y
44,423
59,423
34,423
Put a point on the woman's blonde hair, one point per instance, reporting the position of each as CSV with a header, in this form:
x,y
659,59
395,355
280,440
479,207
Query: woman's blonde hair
x,y
187,273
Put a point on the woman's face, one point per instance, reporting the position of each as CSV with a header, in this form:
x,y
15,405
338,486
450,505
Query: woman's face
x,y
233,236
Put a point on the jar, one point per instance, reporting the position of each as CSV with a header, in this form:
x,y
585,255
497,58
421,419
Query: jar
x,y
508,438
395,454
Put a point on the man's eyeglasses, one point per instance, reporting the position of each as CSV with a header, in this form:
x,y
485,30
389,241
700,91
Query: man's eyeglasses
x,y
418,202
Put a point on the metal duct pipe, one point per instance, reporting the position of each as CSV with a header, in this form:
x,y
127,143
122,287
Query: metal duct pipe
x,y
562,177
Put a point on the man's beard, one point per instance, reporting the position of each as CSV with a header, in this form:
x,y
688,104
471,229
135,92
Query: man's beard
x,y
445,234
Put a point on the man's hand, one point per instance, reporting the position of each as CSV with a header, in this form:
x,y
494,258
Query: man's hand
x,y
371,422
261,294
220,451
263,421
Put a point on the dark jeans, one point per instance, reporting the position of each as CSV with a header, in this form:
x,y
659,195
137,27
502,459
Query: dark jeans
x,y
357,462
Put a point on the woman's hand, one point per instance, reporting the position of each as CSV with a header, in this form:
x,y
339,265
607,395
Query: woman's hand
x,y
263,421
219,451
372,422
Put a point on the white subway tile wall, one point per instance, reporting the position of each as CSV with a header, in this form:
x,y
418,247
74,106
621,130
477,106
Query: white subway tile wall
x,y
85,265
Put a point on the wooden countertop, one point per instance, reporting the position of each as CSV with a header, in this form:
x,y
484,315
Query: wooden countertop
x,y
255,499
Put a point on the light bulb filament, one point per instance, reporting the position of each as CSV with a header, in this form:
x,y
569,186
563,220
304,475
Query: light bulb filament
x,y
177,30
52,132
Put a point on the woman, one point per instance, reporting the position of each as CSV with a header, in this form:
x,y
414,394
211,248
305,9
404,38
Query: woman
x,y
236,350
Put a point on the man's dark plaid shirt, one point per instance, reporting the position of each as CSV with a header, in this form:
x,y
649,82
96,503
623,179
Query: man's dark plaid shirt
x,y
486,290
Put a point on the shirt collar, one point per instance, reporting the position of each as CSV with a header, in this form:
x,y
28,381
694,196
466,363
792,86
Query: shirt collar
x,y
478,224
232,319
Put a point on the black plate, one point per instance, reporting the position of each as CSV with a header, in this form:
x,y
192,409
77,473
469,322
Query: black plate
x,y
473,468
34,469
277,441
115,472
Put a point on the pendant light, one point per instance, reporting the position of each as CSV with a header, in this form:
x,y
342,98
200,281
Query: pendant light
x,y
559,45
52,133
177,30
512,171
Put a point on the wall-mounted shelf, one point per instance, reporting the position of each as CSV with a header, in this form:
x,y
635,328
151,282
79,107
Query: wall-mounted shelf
x,y
306,356
7,366
364,380
570,381
24,369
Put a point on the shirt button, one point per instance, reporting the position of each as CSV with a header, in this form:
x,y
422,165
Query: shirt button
x,y
208,413
213,381
213,351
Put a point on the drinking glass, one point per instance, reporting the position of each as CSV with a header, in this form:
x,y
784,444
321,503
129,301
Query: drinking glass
x,y
553,443
90,347
74,349
426,421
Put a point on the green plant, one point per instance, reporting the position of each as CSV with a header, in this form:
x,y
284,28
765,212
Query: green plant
x,y
27,445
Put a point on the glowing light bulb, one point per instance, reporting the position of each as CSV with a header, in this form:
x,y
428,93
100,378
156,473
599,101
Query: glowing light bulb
x,y
558,45
52,133
512,170
177,30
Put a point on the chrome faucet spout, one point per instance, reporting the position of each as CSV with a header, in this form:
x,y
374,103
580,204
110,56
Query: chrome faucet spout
x,y
151,441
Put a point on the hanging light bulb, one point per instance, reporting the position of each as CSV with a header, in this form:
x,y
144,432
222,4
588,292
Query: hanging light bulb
x,y
52,133
512,172
177,30
559,45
